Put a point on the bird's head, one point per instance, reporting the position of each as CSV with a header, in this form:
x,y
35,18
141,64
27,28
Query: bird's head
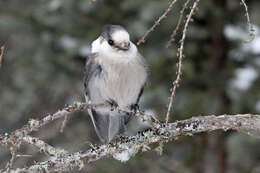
x,y
114,40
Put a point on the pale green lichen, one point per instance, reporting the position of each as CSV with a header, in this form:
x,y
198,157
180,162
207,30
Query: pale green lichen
x,y
34,123
159,148
145,147
80,164
60,153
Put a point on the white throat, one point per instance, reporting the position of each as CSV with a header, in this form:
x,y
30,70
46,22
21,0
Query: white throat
x,y
101,47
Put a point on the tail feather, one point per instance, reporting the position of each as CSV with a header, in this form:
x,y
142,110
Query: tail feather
x,y
109,124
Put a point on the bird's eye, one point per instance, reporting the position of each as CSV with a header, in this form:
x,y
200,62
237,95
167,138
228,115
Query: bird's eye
x,y
111,42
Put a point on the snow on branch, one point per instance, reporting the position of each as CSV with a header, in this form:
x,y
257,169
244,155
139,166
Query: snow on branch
x,y
125,147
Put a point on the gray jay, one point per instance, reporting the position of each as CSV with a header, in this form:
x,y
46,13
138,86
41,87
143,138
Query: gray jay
x,y
115,73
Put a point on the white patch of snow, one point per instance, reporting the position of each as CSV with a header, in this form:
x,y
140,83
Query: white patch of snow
x,y
234,32
253,46
84,50
54,5
68,42
244,78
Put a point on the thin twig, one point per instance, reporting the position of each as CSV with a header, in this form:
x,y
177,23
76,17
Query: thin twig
x,y
151,120
13,150
250,26
2,54
23,155
157,22
172,39
180,57
10,164
64,122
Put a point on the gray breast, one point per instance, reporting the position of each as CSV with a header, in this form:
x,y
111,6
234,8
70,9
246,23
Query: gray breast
x,y
121,82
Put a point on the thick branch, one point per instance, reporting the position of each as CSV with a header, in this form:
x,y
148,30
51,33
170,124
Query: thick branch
x,y
34,125
44,147
126,147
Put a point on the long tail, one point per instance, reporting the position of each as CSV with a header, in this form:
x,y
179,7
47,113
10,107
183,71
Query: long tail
x,y
108,124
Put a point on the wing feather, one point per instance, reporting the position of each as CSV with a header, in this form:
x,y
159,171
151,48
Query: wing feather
x,y
99,120
90,67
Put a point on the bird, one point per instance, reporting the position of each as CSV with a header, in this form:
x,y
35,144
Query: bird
x,y
115,74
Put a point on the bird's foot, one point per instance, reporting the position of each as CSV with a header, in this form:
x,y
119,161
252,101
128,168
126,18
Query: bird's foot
x,y
113,104
134,108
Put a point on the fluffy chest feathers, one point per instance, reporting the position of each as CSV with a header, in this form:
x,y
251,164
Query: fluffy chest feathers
x,y
122,80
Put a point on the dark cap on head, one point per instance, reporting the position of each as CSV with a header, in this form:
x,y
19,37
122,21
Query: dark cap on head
x,y
109,30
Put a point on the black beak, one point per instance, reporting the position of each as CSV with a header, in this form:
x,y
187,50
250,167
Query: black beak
x,y
124,46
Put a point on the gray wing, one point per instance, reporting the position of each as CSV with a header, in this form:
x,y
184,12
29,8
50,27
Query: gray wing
x,y
90,68
144,63
140,94
107,123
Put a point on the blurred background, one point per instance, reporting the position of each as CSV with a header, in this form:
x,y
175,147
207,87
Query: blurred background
x,y
47,42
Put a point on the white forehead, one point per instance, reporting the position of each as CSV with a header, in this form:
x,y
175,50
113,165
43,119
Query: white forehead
x,y
120,36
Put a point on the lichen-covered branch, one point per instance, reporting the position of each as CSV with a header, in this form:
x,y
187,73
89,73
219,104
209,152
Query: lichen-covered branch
x,y
124,148
9,164
22,135
34,125
44,147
